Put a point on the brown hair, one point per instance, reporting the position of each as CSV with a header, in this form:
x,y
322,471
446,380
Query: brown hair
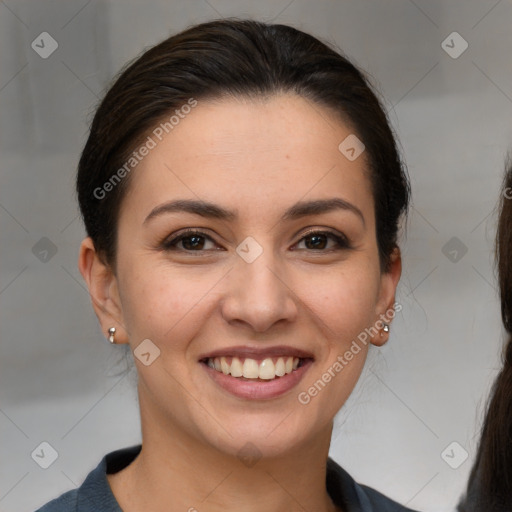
x,y
239,58
490,482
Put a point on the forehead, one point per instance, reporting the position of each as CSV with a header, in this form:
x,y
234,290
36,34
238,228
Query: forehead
x,y
251,153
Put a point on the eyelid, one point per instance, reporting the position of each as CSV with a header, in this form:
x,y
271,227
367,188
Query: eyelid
x,y
324,231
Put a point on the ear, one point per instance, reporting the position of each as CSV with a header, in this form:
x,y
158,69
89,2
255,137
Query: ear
x,y
102,284
385,303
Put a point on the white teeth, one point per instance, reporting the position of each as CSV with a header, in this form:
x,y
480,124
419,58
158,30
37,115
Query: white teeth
x,y
236,367
280,367
224,366
252,369
267,369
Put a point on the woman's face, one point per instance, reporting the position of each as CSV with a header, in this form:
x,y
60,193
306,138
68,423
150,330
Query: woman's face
x,y
254,283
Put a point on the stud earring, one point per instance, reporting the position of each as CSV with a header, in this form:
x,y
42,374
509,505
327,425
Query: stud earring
x,y
111,333
385,328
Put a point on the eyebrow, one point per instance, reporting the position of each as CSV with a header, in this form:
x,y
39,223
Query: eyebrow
x,y
210,210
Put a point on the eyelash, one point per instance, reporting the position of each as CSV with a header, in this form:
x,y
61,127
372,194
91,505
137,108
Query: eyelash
x,y
342,241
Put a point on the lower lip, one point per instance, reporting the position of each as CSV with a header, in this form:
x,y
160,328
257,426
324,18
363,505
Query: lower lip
x,y
258,389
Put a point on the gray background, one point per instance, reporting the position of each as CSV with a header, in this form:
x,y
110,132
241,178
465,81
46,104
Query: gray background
x,y
60,379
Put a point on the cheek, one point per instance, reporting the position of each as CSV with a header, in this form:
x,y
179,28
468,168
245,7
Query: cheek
x,y
344,300
344,304
155,300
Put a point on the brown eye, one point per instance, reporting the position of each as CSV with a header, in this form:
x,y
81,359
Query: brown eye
x,y
192,241
196,241
318,241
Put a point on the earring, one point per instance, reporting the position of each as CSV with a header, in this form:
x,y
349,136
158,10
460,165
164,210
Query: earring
x,y
385,328
111,333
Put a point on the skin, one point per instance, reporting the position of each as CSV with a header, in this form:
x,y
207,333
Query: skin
x,y
256,157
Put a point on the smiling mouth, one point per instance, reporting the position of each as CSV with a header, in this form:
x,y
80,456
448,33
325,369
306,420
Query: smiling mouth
x,y
252,369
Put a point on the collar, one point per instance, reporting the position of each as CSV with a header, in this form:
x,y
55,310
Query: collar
x,y
95,493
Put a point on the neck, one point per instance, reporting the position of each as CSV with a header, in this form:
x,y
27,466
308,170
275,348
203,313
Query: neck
x,y
176,472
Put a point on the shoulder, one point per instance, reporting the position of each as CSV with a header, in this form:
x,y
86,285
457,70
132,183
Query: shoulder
x,y
380,502
95,495
345,491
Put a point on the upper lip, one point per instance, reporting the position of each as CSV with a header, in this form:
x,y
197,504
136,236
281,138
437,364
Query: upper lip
x,y
258,352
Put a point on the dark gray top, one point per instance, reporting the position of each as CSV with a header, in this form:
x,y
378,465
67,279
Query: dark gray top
x,y
95,495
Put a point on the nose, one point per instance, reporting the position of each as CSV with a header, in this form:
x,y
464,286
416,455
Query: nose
x,y
258,295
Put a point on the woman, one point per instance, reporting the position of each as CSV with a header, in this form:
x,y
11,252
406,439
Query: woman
x,y
241,191
490,482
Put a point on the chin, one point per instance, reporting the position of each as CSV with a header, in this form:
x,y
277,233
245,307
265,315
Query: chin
x,y
264,438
